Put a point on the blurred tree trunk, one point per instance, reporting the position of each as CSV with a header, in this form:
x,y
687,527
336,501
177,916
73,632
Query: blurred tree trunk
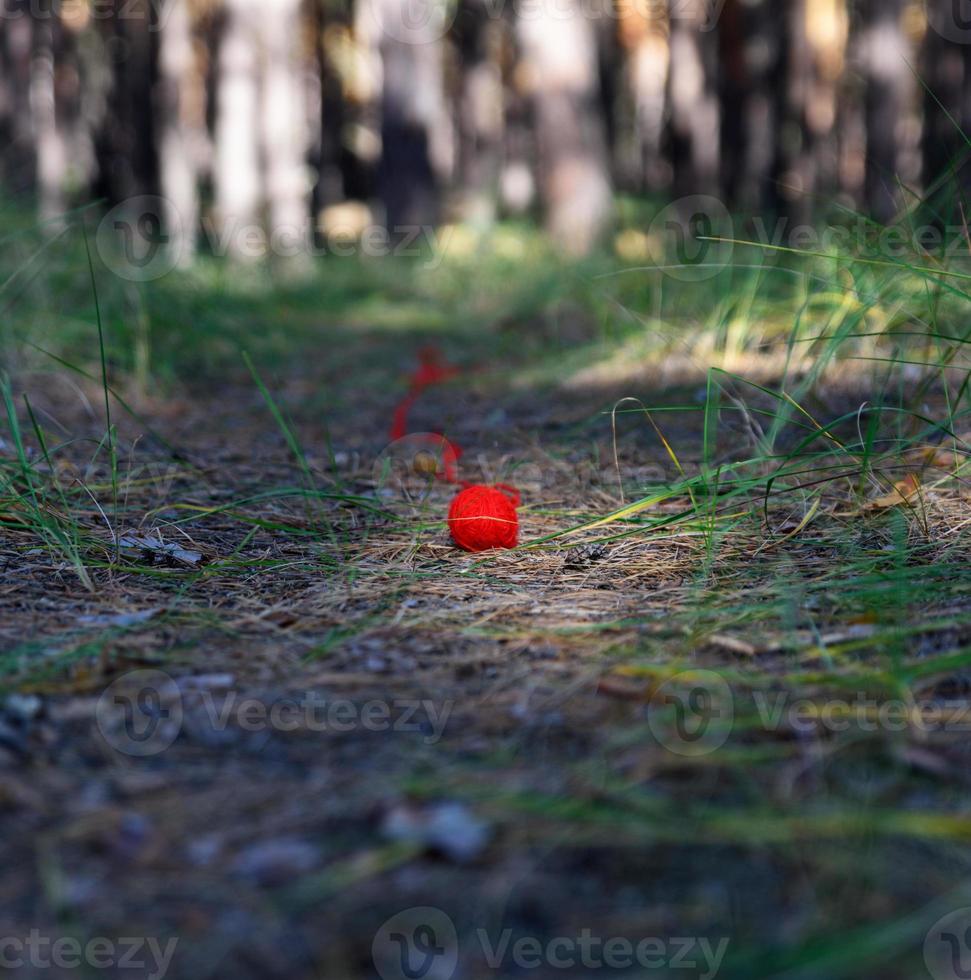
x,y
610,84
560,59
178,124
362,106
51,149
330,22
285,124
693,98
946,71
821,35
413,117
237,164
885,54
261,130
125,144
752,59
480,111
16,122
517,179
795,167
643,33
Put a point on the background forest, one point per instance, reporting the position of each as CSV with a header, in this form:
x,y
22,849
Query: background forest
x,y
321,117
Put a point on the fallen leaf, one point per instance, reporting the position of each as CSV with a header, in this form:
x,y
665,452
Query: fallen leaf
x,y
903,491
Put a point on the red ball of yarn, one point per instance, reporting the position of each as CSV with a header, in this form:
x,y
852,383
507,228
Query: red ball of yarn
x,y
483,517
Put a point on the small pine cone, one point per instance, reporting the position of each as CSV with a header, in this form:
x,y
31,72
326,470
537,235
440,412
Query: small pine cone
x,y
584,555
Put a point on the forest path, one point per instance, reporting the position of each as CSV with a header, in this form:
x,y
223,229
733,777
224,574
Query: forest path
x,y
301,710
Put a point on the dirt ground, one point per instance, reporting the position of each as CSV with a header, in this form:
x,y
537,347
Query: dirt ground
x,y
350,750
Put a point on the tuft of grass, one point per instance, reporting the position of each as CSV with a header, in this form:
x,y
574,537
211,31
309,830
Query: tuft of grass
x,y
35,502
